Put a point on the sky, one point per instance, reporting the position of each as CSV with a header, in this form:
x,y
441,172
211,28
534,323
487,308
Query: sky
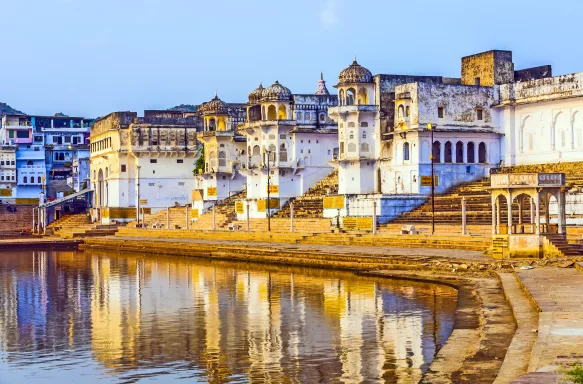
x,y
92,57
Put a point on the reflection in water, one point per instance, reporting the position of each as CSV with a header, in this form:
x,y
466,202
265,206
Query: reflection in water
x,y
102,317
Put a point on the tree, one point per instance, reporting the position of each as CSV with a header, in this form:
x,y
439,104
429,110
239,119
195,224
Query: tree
x,y
199,166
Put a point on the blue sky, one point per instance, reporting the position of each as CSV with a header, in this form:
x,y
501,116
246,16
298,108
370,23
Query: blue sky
x,y
89,57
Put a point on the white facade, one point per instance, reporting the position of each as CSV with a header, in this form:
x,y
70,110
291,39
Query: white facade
x,y
7,173
156,151
290,140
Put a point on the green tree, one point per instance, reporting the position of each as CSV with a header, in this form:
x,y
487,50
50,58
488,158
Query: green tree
x,y
199,166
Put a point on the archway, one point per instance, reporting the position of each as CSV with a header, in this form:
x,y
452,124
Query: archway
x,y
471,153
221,124
256,156
436,152
282,113
401,112
482,155
362,96
549,212
523,214
406,154
459,152
271,113
448,152
341,97
350,96
100,188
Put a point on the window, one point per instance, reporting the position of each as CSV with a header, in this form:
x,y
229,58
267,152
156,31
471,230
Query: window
x,y
436,152
151,184
25,180
482,153
440,111
58,139
179,161
153,161
459,152
350,125
480,113
476,81
407,111
123,168
401,111
406,155
364,124
38,179
448,152
351,147
22,134
471,157
67,139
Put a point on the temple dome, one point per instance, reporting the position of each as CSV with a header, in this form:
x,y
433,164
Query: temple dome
x,y
276,92
322,90
214,107
355,73
255,95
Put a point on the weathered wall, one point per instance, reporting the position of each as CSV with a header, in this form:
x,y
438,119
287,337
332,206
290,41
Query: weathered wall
x,y
533,73
492,67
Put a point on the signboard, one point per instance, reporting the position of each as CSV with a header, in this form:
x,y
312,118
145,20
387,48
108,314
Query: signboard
x,y
239,207
7,192
426,181
211,191
274,189
334,202
143,201
273,204
550,179
528,180
357,223
194,213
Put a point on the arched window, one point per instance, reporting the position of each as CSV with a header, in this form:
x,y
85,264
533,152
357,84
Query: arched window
x,y
351,147
341,97
25,180
299,115
407,111
282,113
272,152
447,152
221,124
436,152
62,157
282,153
350,96
212,124
471,153
362,96
459,152
401,111
271,113
364,147
341,125
29,163
322,118
406,155
482,153
222,159
39,179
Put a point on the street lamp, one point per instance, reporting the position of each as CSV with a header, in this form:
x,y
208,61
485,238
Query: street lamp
x,y
431,128
138,173
268,204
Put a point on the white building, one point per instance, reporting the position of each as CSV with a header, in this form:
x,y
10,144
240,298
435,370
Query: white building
x,y
153,154
290,140
224,153
7,173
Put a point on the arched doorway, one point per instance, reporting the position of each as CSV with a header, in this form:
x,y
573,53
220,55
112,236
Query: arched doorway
x,y
100,188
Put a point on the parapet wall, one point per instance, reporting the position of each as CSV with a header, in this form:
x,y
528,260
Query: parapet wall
x,y
547,89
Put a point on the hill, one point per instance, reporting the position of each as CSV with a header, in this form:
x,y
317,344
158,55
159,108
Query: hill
x,y
6,109
184,108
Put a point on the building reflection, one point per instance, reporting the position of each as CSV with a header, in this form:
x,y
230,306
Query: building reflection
x,y
140,315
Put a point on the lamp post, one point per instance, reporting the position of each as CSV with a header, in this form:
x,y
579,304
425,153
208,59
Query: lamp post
x,y
431,128
138,174
268,203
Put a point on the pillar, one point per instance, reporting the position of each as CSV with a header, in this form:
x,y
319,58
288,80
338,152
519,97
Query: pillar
x,y
33,220
374,217
214,217
520,209
187,221
532,208
498,216
561,210
509,212
548,210
464,229
247,213
537,212
494,219
291,216
167,217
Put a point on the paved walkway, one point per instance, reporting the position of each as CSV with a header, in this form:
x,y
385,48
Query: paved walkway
x,y
557,292
462,255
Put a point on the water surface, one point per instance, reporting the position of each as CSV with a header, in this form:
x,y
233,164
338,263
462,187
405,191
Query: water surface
x,y
97,317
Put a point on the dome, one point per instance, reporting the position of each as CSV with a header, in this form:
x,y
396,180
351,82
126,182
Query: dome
x,y
276,92
322,90
255,96
354,74
214,107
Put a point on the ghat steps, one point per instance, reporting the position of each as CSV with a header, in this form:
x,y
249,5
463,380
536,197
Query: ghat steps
x,y
311,203
15,222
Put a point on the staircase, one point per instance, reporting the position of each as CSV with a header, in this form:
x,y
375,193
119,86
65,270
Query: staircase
x,y
15,222
177,218
562,246
70,222
79,225
311,203
225,213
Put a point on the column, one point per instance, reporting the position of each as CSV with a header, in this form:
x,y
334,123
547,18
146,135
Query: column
x,y
498,216
441,152
464,231
532,208
537,212
247,213
494,208
167,217
291,216
561,210
33,220
509,212
548,210
187,221
214,217
374,217
520,209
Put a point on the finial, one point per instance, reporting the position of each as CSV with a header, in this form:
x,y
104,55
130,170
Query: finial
x,y
354,62
276,82
321,75
216,93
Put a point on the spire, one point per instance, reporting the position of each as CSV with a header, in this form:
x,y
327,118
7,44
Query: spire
x,y
216,93
354,62
322,90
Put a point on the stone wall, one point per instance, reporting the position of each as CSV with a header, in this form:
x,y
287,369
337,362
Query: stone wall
x,y
492,67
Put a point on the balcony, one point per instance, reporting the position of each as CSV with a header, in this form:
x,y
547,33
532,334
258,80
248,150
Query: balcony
x,y
270,123
215,134
343,109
